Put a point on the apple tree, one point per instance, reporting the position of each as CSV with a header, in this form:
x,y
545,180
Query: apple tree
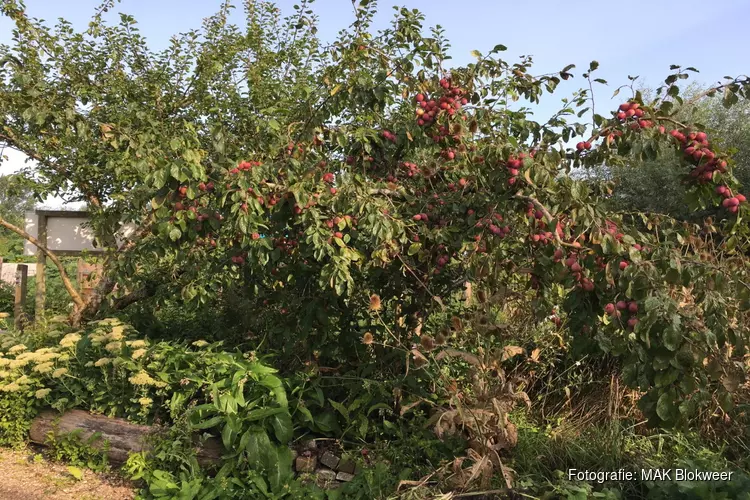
x,y
345,193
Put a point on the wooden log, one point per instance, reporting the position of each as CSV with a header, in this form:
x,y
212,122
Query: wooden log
x,y
124,437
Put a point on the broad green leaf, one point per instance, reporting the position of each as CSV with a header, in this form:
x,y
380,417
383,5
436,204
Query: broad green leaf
x,y
340,408
283,427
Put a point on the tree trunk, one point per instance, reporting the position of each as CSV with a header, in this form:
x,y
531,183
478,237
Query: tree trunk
x,y
124,437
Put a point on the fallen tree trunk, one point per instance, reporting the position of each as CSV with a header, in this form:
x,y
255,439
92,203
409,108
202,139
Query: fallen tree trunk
x,y
124,437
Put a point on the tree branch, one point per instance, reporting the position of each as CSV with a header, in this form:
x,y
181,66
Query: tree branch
x,y
66,281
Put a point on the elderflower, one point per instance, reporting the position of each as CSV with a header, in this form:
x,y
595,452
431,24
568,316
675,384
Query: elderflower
x,y
23,380
113,346
17,348
42,393
138,353
59,372
116,333
200,343
4,362
70,340
141,378
44,367
135,344
145,401
12,387
18,363
102,362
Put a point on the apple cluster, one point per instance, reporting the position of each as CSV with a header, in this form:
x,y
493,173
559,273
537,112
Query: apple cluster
x,y
632,113
428,110
238,259
282,243
621,307
697,149
492,223
245,166
514,165
577,271
731,202
388,135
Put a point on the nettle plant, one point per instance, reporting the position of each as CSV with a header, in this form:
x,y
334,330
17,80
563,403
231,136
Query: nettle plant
x,y
304,178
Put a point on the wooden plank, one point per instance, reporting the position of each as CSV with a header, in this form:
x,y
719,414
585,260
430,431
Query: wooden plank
x,y
63,213
124,437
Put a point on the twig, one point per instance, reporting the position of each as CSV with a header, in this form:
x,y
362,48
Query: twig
x,y
436,299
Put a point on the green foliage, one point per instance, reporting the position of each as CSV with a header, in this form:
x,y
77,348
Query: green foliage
x,y
105,368
7,297
72,448
16,413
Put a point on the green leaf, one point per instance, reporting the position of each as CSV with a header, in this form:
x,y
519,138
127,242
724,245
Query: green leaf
x,y
75,472
228,434
672,338
665,406
211,422
283,427
281,473
340,408
175,234
363,427
262,413
257,446
414,248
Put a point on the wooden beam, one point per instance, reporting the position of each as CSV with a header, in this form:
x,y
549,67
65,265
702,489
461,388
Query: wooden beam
x,y
70,214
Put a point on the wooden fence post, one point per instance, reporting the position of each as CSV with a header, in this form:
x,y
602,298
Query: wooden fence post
x,y
41,265
22,273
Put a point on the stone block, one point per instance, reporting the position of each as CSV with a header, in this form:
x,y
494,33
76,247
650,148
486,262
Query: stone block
x,y
306,464
344,476
329,460
325,477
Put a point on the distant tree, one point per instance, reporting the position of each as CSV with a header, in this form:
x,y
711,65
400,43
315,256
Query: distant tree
x,y
15,199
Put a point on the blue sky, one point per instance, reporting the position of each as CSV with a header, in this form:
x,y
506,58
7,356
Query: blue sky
x,y
637,37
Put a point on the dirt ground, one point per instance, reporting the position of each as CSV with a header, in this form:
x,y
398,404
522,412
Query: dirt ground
x,y
22,477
